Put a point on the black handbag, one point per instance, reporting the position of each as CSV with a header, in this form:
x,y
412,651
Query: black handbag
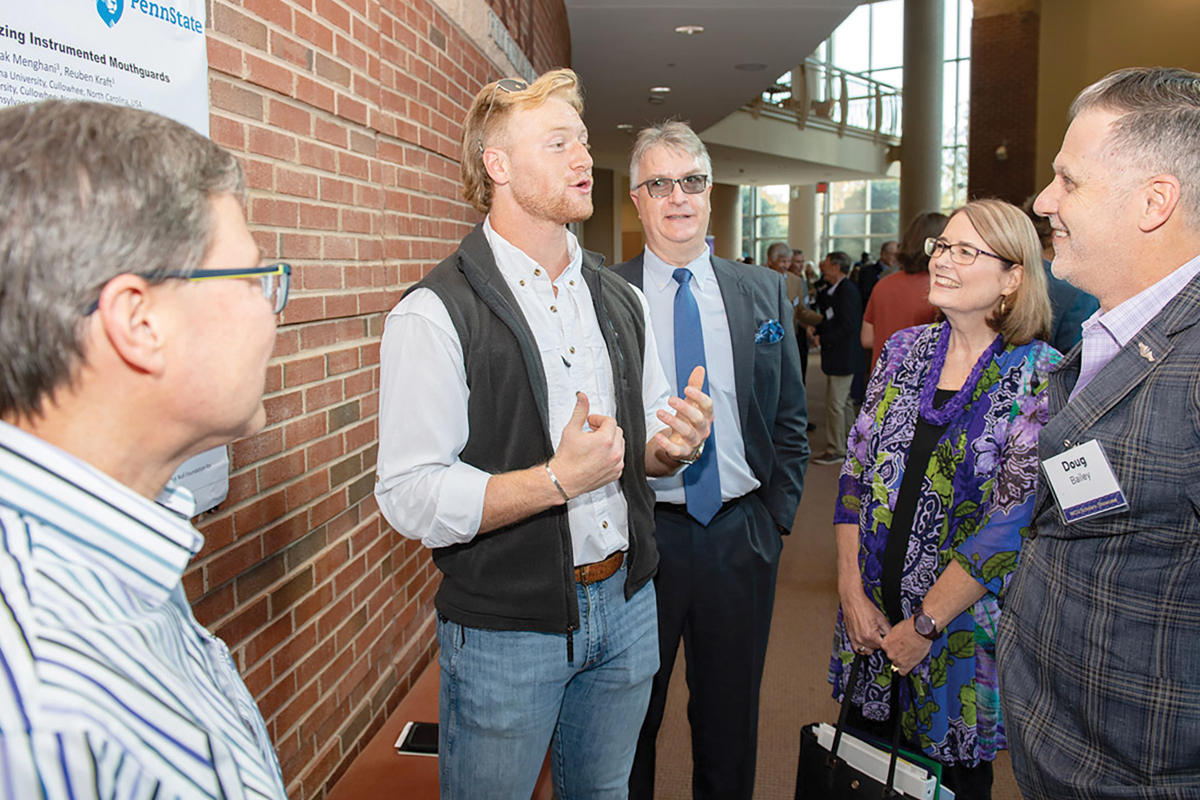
x,y
823,775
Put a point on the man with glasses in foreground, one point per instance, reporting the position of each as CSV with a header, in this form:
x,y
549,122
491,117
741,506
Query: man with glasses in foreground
x,y
719,522
135,330
522,406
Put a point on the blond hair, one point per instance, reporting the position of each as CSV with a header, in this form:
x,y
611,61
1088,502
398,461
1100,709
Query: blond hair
x,y
495,105
1009,234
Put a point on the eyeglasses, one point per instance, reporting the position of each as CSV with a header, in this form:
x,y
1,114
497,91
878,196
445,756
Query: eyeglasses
x,y
509,85
276,281
662,187
962,254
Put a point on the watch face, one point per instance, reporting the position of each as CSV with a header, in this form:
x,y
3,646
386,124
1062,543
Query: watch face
x,y
924,624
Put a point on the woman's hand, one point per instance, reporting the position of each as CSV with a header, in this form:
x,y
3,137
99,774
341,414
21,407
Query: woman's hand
x,y
905,647
866,625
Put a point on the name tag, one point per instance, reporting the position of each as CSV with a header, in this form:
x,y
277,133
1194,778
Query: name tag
x,y
1083,483
829,313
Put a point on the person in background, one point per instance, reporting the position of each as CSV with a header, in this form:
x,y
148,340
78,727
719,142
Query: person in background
x,y
901,300
719,523
136,323
1069,305
798,293
936,493
1101,633
871,274
838,331
522,405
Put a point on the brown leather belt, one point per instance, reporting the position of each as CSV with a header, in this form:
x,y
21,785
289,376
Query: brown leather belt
x,y
601,570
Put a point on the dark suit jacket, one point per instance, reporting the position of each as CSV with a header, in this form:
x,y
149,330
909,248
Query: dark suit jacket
x,y
840,334
1069,307
770,393
1100,635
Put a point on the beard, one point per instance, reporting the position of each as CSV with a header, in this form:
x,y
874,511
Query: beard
x,y
560,208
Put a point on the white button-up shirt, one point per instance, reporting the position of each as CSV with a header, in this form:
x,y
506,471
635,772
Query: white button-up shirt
x,y
424,490
660,287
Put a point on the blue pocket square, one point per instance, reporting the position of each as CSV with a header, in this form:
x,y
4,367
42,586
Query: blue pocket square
x,y
769,332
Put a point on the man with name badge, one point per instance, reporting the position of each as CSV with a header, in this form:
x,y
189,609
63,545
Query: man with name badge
x,y
719,521
1100,638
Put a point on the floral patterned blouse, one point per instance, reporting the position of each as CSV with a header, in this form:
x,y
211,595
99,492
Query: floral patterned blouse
x,y
975,505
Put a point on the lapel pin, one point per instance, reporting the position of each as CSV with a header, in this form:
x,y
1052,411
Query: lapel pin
x,y
1146,352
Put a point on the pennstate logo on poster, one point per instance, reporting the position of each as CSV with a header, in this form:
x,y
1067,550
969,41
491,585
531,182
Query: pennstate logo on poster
x,y
110,11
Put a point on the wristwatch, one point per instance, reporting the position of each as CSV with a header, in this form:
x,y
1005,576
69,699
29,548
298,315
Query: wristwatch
x,y
925,625
694,457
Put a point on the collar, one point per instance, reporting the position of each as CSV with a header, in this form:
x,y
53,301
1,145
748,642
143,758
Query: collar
x,y
516,266
1124,321
92,518
659,275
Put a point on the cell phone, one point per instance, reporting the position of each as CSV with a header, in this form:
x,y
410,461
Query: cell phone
x,y
418,738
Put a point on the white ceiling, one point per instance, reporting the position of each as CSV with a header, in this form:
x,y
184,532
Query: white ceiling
x,y
622,48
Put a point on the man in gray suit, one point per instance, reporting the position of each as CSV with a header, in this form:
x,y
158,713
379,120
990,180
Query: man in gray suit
x,y
1100,637
718,523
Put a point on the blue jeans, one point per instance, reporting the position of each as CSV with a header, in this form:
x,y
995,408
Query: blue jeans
x,y
506,695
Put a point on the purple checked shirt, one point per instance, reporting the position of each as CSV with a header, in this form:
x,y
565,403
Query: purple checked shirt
x,y
1106,333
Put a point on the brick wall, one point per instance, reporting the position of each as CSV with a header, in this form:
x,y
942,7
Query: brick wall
x,y
1004,97
347,115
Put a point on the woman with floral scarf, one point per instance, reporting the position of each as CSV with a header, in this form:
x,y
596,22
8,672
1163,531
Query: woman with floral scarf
x,y
937,492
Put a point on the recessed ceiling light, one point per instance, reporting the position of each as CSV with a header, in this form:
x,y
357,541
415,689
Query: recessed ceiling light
x,y
688,30
659,89
750,66
625,126
656,99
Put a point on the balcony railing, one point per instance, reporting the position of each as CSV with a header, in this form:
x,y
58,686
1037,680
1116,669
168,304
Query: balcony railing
x,y
817,94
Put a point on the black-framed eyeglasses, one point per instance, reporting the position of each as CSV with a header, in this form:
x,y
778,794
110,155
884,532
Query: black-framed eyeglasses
x,y
509,85
662,187
276,281
962,254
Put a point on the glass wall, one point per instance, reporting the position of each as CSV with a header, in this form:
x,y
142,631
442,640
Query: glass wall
x,y
859,216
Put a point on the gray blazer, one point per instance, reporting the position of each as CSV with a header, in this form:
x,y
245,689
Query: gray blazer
x,y
1099,647
770,393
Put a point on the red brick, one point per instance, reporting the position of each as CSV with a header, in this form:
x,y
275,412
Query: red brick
x,y
268,75
281,469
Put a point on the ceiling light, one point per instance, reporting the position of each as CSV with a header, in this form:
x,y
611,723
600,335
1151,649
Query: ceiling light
x,y
625,126
656,99
688,30
659,89
750,66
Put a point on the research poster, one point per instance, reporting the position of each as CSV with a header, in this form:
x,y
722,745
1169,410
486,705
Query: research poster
x,y
136,53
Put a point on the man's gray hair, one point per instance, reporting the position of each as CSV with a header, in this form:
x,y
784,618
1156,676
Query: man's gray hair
x,y
1159,128
677,136
778,248
90,191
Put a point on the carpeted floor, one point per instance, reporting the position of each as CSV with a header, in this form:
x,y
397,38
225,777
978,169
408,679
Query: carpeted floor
x,y
795,691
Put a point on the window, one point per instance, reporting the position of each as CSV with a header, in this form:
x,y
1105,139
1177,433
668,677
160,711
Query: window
x,y
764,219
858,216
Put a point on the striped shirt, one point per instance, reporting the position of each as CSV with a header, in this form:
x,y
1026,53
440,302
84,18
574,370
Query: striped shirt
x,y
108,685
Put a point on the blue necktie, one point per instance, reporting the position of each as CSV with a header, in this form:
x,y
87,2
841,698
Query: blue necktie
x,y
701,482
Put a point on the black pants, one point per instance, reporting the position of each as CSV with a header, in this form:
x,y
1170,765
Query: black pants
x,y
716,591
967,783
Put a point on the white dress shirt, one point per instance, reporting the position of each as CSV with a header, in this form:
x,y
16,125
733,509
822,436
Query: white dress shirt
x,y
111,688
659,285
424,490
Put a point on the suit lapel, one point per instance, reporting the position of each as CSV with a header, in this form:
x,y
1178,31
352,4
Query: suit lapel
x,y
1130,367
739,312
